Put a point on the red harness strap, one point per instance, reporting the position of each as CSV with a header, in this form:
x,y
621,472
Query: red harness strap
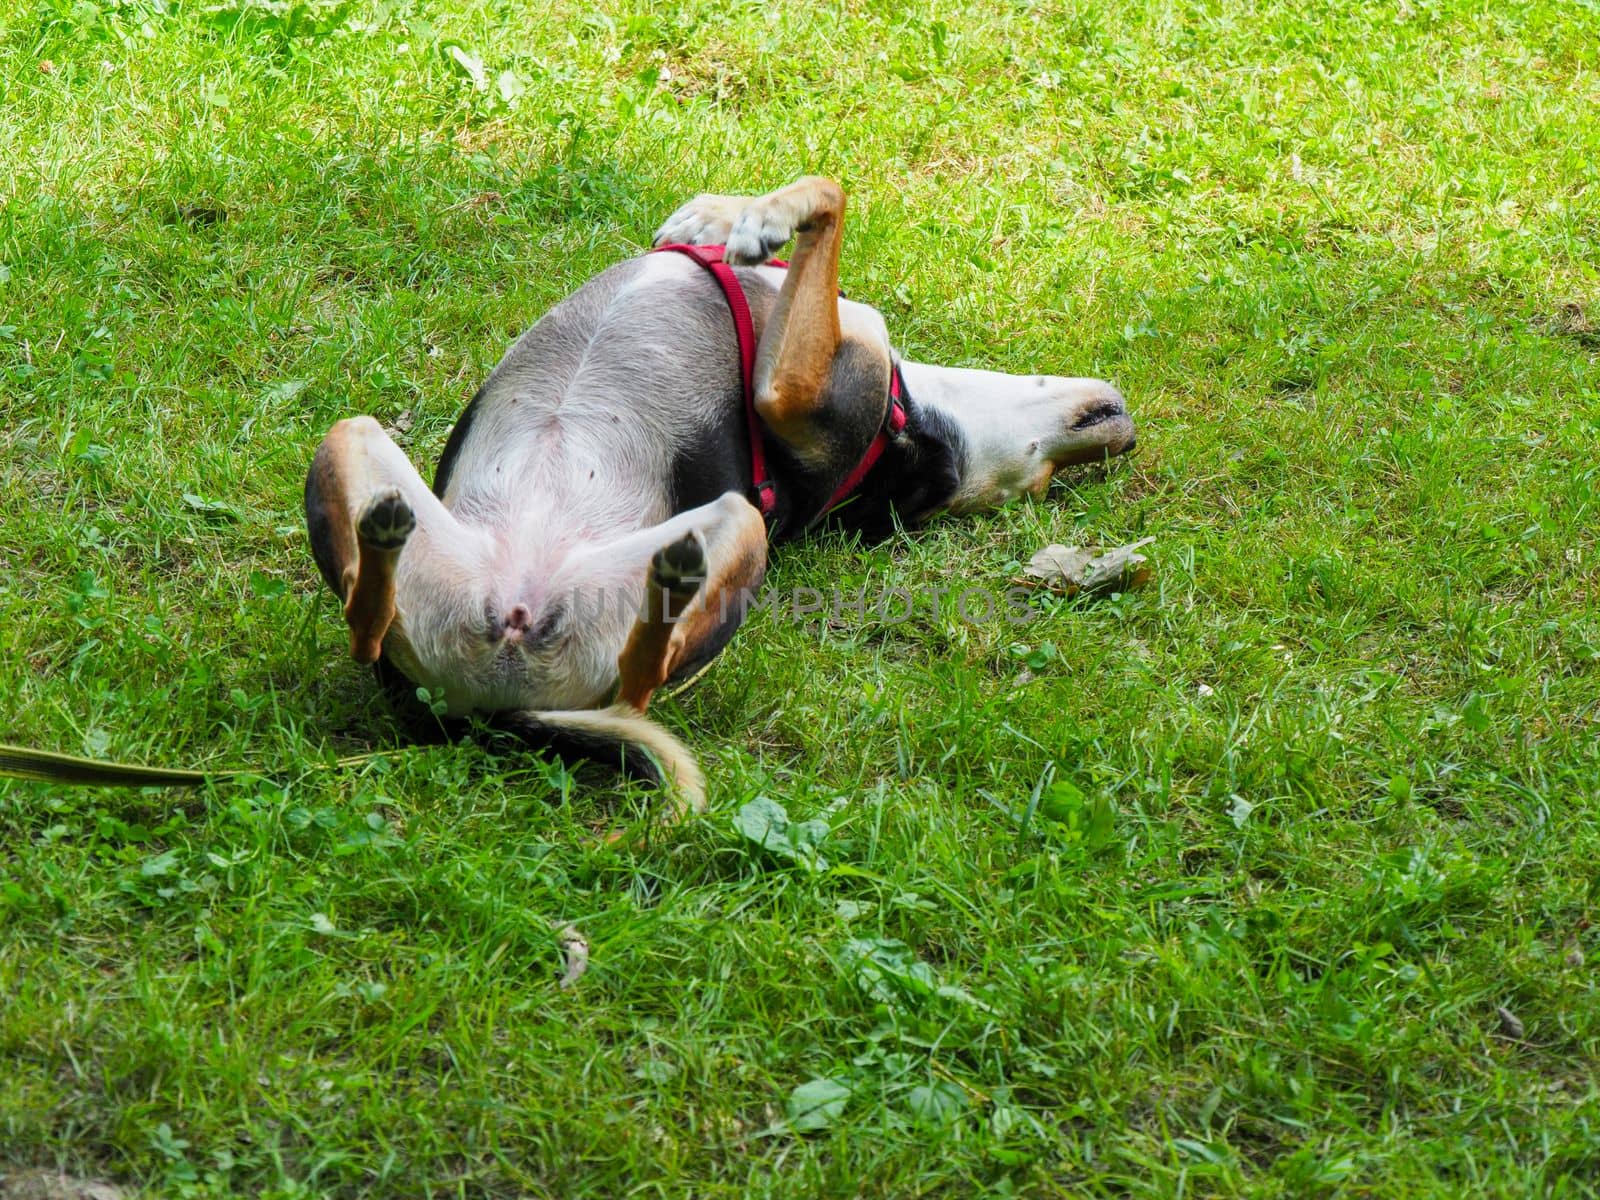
x,y
710,257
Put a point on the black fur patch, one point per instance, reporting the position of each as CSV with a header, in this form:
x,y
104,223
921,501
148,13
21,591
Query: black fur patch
x,y
713,461
319,531
853,410
402,693
571,745
453,444
918,475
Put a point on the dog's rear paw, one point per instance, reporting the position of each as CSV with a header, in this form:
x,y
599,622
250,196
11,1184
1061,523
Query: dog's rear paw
x,y
704,221
762,230
680,566
387,521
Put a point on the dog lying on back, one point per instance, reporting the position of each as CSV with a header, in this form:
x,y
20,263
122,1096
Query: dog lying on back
x,y
602,509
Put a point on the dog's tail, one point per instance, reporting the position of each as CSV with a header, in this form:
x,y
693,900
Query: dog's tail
x,y
621,735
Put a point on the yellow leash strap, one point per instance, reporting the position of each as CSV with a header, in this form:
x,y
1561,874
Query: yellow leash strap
x,y
44,766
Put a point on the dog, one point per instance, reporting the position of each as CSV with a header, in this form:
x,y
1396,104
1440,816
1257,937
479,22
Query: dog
x,y
642,444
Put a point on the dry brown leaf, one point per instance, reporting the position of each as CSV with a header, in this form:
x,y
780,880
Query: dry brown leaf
x,y
53,1185
1078,569
1510,1024
575,949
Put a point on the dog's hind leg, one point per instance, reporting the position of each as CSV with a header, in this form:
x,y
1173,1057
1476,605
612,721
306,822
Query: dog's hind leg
x,y
363,501
697,586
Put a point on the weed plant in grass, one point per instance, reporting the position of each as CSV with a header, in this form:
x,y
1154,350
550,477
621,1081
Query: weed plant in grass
x,y
1275,878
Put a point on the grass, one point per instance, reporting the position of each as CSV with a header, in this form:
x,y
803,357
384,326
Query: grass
x,y
1217,888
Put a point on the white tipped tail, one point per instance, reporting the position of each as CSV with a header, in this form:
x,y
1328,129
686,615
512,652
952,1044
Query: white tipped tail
x,y
624,725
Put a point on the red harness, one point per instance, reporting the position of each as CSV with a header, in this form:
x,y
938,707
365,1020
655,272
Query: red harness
x,y
710,257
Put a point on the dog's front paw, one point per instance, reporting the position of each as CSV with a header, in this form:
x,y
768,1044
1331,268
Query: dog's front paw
x,y
704,221
680,566
387,521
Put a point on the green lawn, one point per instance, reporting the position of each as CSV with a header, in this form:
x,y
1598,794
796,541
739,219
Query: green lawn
x,y
1217,888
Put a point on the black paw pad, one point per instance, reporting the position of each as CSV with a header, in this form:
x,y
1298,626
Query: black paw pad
x,y
387,522
680,566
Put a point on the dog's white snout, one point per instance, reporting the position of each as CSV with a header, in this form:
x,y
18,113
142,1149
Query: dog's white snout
x,y
1096,421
